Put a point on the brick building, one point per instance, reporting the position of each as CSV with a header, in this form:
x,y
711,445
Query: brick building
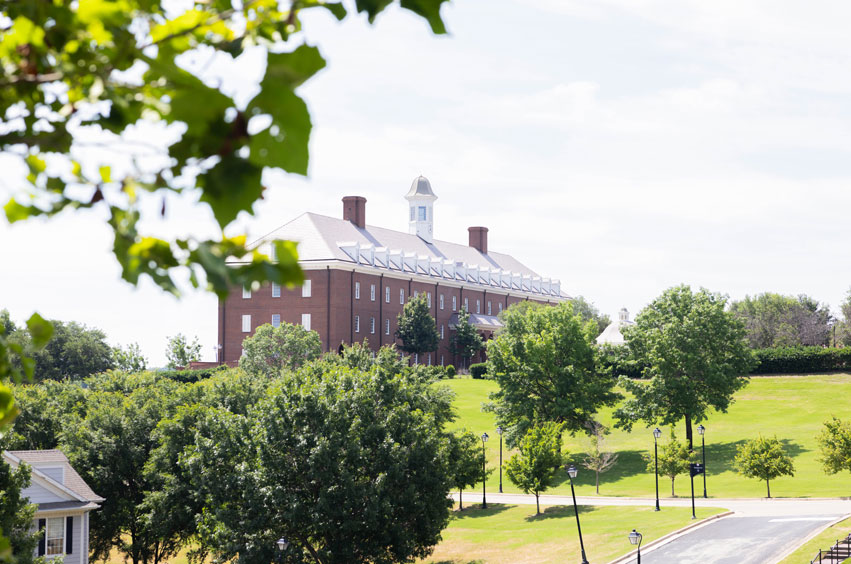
x,y
358,277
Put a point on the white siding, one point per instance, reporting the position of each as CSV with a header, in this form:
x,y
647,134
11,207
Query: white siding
x,y
39,494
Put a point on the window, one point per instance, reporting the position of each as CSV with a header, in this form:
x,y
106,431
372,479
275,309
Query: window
x,y
387,294
500,306
466,305
454,303
441,331
413,213
429,359
440,299
478,306
246,292
386,326
246,324
357,290
416,293
276,290
372,326
401,296
489,308
429,298
273,252
421,212
306,289
416,358
441,360
55,536
357,324
372,292
276,320
305,321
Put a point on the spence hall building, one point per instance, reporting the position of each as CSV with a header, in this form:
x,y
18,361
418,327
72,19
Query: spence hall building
x,y
359,276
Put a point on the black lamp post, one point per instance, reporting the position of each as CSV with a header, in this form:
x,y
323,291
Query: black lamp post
x,y
499,432
484,474
282,546
700,430
571,472
635,539
656,434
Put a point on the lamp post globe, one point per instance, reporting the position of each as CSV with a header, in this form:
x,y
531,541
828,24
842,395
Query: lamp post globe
x,y
635,539
572,472
484,474
657,432
499,430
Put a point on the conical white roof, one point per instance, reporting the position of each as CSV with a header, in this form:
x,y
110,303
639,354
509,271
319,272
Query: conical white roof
x,y
612,335
421,188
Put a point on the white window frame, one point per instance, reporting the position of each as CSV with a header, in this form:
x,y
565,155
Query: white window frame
x,y
357,324
276,320
500,306
387,295
467,305
246,293
478,306
489,308
305,321
357,290
307,289
246,323
372,292
422,213
428,297
386,326
48,529
440,299
372,326
441,332
416,293
454,303
401,296
276,290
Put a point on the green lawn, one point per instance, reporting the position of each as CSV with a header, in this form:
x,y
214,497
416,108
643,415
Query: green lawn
x,y
512,534
792,407
823,540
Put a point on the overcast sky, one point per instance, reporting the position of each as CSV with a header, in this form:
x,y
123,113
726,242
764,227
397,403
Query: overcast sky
x,y
621,146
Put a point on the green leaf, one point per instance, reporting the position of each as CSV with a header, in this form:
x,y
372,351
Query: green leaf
x,y
105,174
8,410
17,212
372,7
292,69
335,8
232,186
430,10
40,330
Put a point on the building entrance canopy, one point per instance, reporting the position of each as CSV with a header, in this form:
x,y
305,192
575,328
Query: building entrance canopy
x,y
479,321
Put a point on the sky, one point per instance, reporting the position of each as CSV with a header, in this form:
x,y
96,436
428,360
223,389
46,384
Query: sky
x,y
620,146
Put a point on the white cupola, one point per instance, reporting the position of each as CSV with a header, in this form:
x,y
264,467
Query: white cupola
x,y
421,201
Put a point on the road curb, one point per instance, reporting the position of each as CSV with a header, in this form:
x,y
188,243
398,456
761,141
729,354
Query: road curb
x,y
810,537
670,536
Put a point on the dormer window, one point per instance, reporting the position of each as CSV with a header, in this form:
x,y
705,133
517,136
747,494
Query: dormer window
x,y
422,213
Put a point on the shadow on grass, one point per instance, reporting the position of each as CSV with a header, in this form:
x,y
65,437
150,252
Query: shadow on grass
x,y
630,463
458,562
475,511
559,512
720,457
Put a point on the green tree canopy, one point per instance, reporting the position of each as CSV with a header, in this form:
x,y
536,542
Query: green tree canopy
x,y
546,368
416,327
74,352
589,312
16,515
465,462
533,468
773,320
272,349
597,458
465,340
835,444
674,459
179,352
764,459
129,358
695,354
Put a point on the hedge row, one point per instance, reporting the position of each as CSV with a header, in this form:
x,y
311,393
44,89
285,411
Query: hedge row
x,y
801,360
191,376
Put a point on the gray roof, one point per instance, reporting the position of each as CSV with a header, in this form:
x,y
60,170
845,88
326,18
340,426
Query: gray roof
x,y
479,321
420,188
72,480
63,505
319,237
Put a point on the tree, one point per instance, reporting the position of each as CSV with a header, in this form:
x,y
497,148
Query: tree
x,y
695,354
273,349
7,326
534,468
835,444
546,367
597,458
16,515
465,341
129,359
43,408
589,312
416,327
674,459
180,352
350,466
843,327
764,459
773,320
465,462
74,352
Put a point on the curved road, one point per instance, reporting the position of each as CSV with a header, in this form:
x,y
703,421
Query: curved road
x,y
760,531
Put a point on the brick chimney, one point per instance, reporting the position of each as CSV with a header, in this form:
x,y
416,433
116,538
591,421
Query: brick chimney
x,y
354,210
479,239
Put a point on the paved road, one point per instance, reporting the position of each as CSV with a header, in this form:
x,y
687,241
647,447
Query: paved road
x,y
759,531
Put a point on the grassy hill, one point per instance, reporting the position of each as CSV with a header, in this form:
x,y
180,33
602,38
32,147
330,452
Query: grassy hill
x,y
791,407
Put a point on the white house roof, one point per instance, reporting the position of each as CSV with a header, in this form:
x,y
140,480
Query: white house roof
x,y
323,238
612,335
71,481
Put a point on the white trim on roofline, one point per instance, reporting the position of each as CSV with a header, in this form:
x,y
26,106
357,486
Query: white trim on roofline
x,y
49,482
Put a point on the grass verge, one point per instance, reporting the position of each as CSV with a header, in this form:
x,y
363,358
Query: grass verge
x,y
823,540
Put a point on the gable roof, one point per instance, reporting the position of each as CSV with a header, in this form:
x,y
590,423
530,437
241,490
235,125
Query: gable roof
x,y
72,482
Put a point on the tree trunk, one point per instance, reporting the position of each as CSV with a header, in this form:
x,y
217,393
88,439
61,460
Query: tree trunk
x,y
768,487
672,488
689,433
537,504
460,500
597,481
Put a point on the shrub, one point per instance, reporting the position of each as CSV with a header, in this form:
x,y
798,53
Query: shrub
x,y
450,371
618,360
479,370
801,360
191,376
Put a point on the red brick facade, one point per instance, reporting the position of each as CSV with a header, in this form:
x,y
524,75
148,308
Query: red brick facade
x,y
353,305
